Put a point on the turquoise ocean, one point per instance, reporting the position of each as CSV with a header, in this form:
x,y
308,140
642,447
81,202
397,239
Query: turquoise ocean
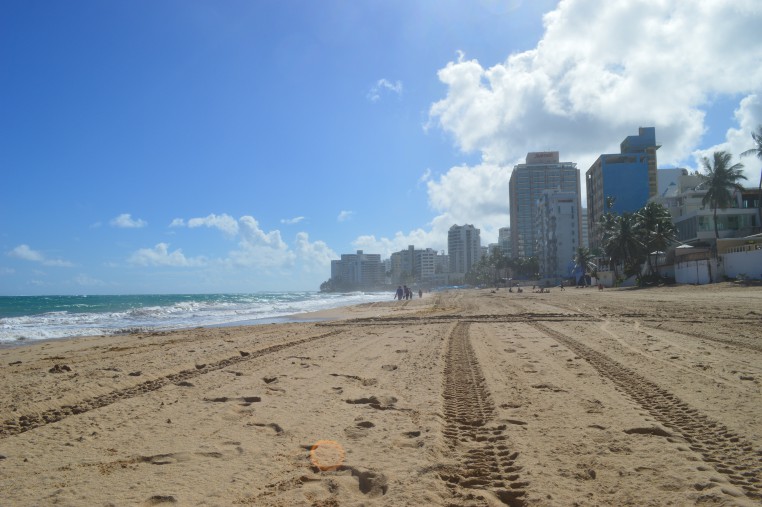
x,y
29,318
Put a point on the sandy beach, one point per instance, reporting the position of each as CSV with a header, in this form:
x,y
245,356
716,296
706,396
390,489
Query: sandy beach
x,y
474,398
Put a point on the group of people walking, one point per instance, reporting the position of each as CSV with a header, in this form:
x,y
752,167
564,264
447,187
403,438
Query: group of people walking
x,y
404,292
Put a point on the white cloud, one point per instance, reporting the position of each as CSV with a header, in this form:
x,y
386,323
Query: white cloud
x,y
382,86
748,117
600,71
177,222
26,253
161,256
225,223
260,249
23,252
313,256
345,215
291,221
435,239
125,221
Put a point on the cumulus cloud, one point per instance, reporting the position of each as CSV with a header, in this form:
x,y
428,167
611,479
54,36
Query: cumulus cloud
x,y
161,256
748,117
258,249
315,256
435,238
225,223
600,71
291,221
384,86
24,252
125,221
345,215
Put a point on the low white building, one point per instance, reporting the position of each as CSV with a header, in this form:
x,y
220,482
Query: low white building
x,y
694,220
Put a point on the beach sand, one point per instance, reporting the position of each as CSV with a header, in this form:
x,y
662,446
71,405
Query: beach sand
x,y
473,397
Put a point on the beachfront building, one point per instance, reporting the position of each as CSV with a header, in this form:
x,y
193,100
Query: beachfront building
x,y
410,266
622,182
585,242
695,221
558,229
463,247
542,171
504,241
357,271
682,194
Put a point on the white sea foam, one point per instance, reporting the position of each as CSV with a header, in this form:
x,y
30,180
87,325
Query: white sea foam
x,y
96,317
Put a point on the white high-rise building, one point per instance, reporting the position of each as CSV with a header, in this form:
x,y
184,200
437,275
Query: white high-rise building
x,y
542,171
413,265
504,241
464,248
558,233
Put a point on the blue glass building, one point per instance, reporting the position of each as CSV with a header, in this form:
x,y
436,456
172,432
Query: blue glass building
x,y
625,180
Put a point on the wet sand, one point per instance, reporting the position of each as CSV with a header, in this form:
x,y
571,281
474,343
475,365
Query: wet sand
x,y
474,398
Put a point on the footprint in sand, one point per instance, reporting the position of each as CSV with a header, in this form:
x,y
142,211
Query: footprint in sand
x,y
244,401
274,426
359,430
160,499
379,403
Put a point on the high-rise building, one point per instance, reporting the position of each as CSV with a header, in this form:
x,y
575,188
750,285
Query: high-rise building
x,y
622,182
464,248
542,171
559,233
411,265
504,241
358,270
585,243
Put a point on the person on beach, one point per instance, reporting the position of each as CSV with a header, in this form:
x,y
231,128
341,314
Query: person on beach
x,y
398,294
420,293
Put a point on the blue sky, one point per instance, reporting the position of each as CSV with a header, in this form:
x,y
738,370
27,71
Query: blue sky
x,y
199,146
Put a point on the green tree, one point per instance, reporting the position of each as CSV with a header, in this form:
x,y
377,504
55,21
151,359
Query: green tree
x,y
621,242
583,259
757,152
655,229
720,180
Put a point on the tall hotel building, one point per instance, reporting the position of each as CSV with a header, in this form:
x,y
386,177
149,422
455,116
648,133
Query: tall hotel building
x,y
464,248
628,177
558,226
542,171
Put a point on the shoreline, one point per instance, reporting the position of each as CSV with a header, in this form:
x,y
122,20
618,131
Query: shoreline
x,y
568,396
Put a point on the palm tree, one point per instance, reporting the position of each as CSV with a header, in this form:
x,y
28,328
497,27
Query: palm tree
x,y
583,260
620,240
655,229
720,179
757,152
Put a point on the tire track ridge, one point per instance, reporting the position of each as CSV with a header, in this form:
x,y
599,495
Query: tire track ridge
x,y
28,422
729,453
446,319
486,463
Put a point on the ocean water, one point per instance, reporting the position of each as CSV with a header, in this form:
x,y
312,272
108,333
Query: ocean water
x,y
44,317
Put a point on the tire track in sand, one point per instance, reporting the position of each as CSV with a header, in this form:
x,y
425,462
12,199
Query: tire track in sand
x,y
487,466
729,454
28,422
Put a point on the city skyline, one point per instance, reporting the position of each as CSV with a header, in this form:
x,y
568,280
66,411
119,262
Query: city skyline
x,y
188,147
